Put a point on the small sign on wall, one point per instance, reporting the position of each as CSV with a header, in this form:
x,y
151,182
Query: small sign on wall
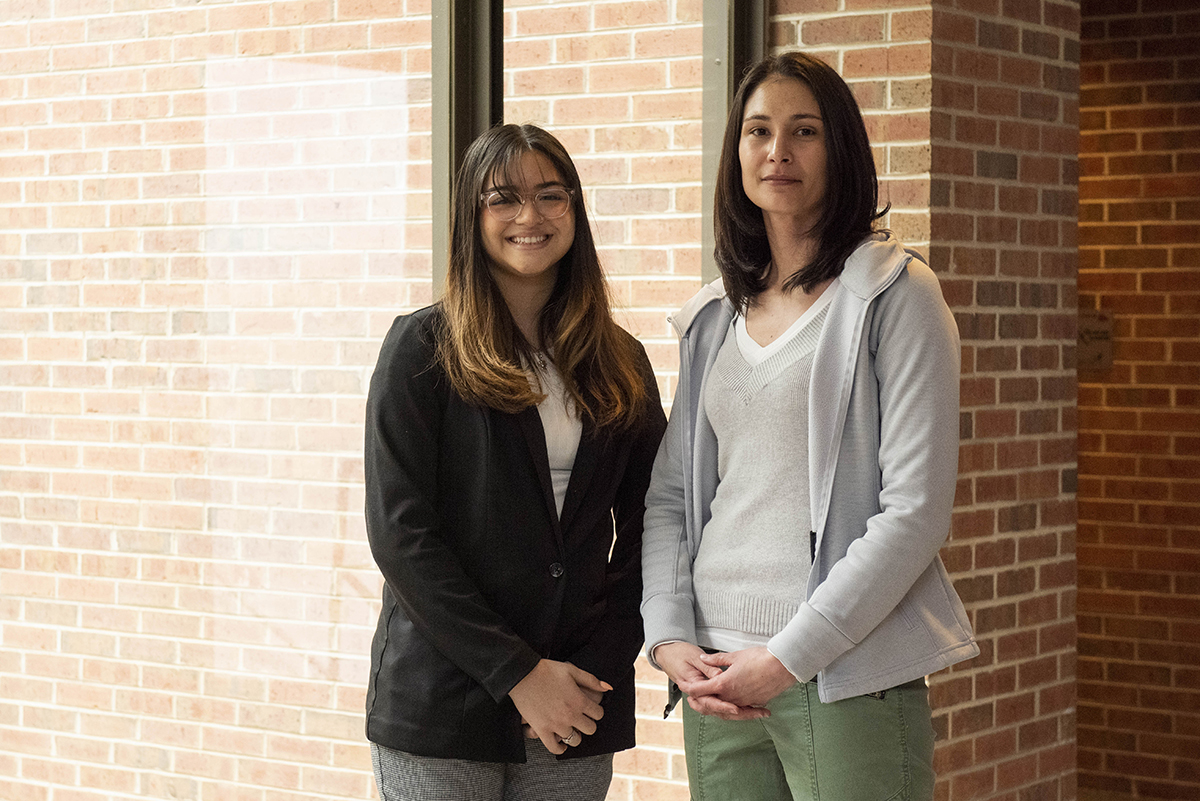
x,y
1095,347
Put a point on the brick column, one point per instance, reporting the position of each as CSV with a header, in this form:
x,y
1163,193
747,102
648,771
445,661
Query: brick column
x,y
972,109
1003,207
1139,464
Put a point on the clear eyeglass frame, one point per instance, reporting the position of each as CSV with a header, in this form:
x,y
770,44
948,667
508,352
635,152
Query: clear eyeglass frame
x,y
550,204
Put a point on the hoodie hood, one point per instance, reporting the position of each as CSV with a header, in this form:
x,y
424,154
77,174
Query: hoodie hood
x,y
869,269
874,265
682,320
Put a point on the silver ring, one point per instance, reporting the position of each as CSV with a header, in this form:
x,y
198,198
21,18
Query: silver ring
x,y
573,739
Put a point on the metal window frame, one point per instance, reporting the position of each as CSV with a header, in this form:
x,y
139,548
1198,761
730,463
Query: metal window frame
x,y
735,37
468,97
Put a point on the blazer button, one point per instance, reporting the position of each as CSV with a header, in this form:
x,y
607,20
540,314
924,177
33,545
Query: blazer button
x,y
556,569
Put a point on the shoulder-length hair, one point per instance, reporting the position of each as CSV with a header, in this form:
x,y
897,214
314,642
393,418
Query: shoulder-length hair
x,y
481,348
851,187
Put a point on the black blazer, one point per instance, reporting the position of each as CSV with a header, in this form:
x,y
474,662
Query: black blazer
x,y
482,578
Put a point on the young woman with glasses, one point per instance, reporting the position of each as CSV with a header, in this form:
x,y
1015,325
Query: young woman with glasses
x,y
805,483
510,433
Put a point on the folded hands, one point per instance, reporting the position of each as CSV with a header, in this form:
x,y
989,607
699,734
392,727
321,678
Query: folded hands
x,y
733,686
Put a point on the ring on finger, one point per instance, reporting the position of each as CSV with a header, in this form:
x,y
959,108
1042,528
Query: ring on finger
x,y
573,739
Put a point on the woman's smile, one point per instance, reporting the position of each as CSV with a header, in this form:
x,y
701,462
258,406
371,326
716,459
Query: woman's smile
x,y
525,250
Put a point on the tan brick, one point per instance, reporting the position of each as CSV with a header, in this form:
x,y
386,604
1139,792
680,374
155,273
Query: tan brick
x,y
552,21
592,47
665,168
632,14
240,16
603,78
549,80
674,41
590,111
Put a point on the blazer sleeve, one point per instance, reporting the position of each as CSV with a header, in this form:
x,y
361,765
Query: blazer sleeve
x,y
405,407
614,646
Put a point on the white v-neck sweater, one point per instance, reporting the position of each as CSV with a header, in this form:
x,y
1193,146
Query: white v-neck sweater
x,y
755,550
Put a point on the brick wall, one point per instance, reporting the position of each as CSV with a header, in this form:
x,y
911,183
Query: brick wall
x,y
1139,462
1003,227
210,214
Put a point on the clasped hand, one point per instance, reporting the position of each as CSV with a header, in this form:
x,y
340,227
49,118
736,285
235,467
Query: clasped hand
x,y
557,699
732,686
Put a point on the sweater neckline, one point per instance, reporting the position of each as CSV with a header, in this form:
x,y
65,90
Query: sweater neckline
x,y
748,379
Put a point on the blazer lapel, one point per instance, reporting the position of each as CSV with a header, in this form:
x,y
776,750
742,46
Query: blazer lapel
x,y
530,423
586,457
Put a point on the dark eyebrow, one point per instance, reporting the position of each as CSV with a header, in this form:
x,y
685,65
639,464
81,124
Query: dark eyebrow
x,y
512,188
767,117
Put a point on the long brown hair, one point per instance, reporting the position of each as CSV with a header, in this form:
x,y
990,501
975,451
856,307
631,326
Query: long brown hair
x,y
481,348
851,189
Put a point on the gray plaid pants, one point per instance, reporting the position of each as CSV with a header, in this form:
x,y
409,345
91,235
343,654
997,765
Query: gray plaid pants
x,y
401,776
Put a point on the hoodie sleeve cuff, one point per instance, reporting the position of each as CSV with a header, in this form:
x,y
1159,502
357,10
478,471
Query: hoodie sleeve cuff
x,y
808,643
667,618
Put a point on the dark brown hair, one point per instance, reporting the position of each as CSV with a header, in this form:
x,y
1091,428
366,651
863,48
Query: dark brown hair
x,y
851,188
481,348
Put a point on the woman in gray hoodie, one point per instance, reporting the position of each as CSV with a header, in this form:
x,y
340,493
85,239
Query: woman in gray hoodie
x,y
792,584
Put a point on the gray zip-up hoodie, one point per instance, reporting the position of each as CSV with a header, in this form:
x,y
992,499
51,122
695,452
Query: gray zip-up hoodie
x,y
883,461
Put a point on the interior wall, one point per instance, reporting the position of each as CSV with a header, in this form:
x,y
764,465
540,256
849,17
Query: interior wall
x,y
1139,438
1003,227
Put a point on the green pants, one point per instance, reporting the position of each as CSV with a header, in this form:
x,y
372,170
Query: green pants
x,y
859,749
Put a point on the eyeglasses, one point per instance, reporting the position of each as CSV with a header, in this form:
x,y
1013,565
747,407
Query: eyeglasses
x,y
506,206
